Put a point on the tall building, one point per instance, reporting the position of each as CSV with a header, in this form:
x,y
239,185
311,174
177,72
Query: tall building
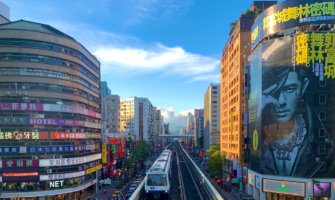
x,y
50,121
166,130
110,114
4,13
158,125
199,128
190,123
136,117
212,115
105,90
233,102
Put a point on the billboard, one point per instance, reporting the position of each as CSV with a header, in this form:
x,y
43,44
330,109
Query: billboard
x,y
291,115
291,14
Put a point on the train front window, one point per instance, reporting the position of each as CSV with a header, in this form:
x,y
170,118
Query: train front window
x,y
156,180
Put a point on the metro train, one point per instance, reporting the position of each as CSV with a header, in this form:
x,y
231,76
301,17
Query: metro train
x,y
158,185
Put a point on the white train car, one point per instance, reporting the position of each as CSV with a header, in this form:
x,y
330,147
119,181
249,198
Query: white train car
x,y
158,183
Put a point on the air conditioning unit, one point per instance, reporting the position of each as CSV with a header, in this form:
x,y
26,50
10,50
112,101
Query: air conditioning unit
x,y
49,171
34,157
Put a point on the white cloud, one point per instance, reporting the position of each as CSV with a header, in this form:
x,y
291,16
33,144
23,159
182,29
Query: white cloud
x,y
128,55
169,60
176,120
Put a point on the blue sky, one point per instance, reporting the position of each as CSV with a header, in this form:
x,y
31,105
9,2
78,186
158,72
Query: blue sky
x,y
166,50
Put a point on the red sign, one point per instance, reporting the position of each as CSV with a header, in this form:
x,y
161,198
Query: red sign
x,y
66,135
21,106
23,135
19,163
20,174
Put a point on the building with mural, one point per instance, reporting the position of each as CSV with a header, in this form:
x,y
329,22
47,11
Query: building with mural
x,y
291,120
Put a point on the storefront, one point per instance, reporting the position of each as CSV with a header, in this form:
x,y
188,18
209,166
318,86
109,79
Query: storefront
x,y
283,190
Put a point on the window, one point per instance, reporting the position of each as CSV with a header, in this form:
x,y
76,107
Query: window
x,y
322,99
323,83
322,132
322,149
322,115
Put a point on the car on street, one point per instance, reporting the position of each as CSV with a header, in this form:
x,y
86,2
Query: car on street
x,y
132,187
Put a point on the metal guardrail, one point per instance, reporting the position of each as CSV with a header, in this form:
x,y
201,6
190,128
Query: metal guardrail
x,y
139,190
207,185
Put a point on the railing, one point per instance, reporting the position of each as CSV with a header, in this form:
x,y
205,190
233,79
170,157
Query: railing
x,y
139,192
205,184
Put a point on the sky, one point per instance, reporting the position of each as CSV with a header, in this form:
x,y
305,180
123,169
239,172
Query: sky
x,y
166,50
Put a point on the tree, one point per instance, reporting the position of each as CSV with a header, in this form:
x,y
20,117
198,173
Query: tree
x,y
142,150
215,160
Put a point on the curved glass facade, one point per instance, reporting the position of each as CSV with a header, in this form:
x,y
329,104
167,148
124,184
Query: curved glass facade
x,y
50,119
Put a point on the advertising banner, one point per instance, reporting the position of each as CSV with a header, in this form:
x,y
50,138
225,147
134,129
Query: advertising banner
x,y
321,189
10,150
93,169
284,187
59,122
71,109
57,149
24,163
23,135
290,105
69,161
19,175
290,14
48,108
50,177
104,153
21,106
66,135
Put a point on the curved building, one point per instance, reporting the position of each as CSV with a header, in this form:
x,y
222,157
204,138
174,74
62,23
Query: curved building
x,y
50,121
291,111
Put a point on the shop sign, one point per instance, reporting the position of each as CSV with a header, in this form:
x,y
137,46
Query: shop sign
x,y
19,163
56,184
67,135
20,176
46,192
22,106
104,153
59,122
56,149
69,161
70,109
93,169
93,135
10,149
23,135
251,178
50,177
284,187
36,115
258,182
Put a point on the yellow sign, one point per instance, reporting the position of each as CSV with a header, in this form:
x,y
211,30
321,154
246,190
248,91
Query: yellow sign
x,y
93,169
317,50
104,153
255,140
299,12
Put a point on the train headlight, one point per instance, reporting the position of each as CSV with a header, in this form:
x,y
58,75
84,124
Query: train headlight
x,y
147,191
166,191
